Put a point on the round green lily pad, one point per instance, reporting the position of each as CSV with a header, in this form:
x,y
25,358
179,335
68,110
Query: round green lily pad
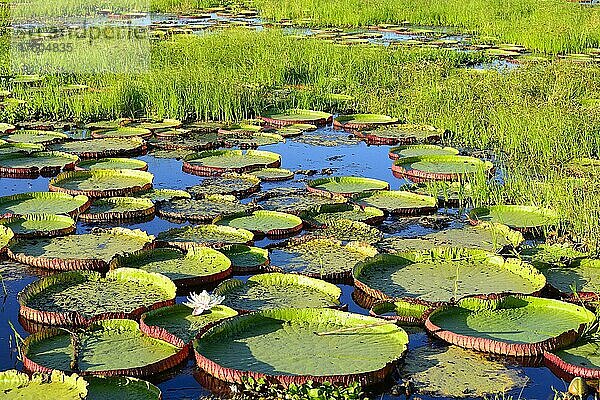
x,y
160,195
188,142
11,148
400,311
199,265
516,217
362,121
178,320
75,298
167,123
205,235
211,162
580,277
203,210
101,148
276,290
346,185
273,174
39,162
399,202
404,134
239,185
297,201
103,125
551,255
6,127
39,225
520,326
297,116
348,231
109,388
114,163
35,137
43,202
418,150
322,258
118,209
18,385
6,236
109,347
246,259
443,274
271,223
580,359
122,132
330,213
448,168
245,140
102,183
297,345
289,131
91,251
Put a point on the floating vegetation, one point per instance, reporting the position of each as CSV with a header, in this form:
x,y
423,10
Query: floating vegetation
x,y
18,385
197,266
444,275
404,134
579,281
322,258
273,174
346,186
39,225
11,148
349,231
204,210
118,209
450,194
579,359
105,388
102,148
157,126
102,183
102,350
262,222
187,142
239,185
400,311
331,213
76,298
524,218
122,132
297,116
205,235
33,136
43,202
39,162
297,345
419,150
6,236
440,167
362,121
92,251
516,326
113,163
213,162
246,259
276,290
245,140
161,195
298,201
551,255
399,202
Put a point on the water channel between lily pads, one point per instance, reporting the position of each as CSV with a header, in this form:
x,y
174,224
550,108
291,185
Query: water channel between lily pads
x,y
349,157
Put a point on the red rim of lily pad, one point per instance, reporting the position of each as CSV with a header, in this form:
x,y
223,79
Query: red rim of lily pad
x,y
40,217
140,148
48,170
318,119
126,215
372,137
33,195
344,122
568,371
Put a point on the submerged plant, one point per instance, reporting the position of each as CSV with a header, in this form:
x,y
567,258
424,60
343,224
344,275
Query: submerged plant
x,y
203,302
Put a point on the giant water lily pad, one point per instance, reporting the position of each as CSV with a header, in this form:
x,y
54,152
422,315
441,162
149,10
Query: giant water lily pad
x,y
418,150
179,321
273,174
199,265
580,359
203,210
331,213
401,311
362,121
77,252
346,185
6,236
211,162
452,194
551,255
101,148
108,347
43,202
160,195
118,209
40,162
18,385
246,259
441,275
205,235
114,163
517,217
122,132
75,298
582,276
297,116
439,167
35,137
271,223
245,140
188,142
399,202
109,388
39,225
348,231
275,290
102,183
296,345
321,257
514,325
405,134
297,201
450,371
239,185
167,123
6,127
10,148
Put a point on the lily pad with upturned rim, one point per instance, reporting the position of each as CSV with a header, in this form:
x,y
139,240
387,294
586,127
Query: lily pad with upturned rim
x,y
39,162
284,345
102,183
331,213
197,266
77,298
43,202
362,121
523,218
580,359
252,140
39,225
446,168
213,162
521,326
6,237
239,185
109,388
10,148
421,150
273,174
348,231
346,186
204,210
262,222
297,201
102,148
122,132
399,202
401,134
34,136
113,163
444,274
246,259
118,209
18,385
400,311
108,348
154,126
91,251
277,290
205,235
297,116
160,195
578,281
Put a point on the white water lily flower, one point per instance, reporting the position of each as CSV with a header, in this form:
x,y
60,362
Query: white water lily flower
x,y
202,302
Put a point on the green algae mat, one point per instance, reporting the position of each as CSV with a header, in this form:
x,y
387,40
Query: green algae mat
x,y
44,203
276,290
296,345
513,325
439,167
59,386
75,298
102,183
205,235
514,216
399,202
271,223
39,225
108,347
444,274
346,185
199,265
239,185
